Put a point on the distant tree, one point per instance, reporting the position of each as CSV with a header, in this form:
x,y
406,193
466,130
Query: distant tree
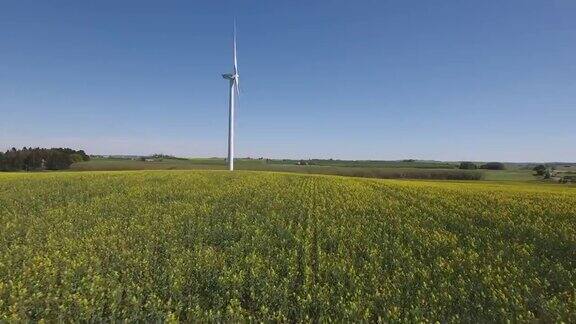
x,y
28,159
493,166
540,169
467,166
57,160
75,157
2,162
69,151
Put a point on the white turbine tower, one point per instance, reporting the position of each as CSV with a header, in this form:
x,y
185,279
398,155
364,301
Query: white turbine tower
x,y
234,79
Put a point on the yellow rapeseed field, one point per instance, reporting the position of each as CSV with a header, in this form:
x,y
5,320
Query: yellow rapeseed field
x,y
214,245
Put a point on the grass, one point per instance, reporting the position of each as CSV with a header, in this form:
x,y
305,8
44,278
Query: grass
x,y
218,163
366,169
124,164
261,246
509,175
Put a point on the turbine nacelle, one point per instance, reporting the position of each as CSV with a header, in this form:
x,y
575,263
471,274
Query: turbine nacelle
x,y
230,76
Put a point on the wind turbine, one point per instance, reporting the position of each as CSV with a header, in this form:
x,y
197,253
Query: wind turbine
x,y
234,79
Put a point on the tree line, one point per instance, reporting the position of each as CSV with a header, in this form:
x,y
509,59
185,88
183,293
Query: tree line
x,y
486,166
31,159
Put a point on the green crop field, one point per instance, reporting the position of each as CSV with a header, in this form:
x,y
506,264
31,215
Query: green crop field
x,y
213,245
366,169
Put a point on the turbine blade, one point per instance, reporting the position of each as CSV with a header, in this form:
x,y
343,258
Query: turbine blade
x,y
237,86
237,101
237,90
235,59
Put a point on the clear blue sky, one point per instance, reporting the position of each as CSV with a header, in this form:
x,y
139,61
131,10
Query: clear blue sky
x,y
446,80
